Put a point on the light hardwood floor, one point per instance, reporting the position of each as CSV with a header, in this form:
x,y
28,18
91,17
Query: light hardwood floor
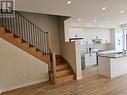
x,y
91,84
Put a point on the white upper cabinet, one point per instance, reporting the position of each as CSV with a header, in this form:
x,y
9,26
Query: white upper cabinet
x,y
89,34
117,39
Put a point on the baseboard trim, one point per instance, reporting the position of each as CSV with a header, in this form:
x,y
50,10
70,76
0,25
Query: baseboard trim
x,y
21,85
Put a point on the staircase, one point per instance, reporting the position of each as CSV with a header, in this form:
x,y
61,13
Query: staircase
x,y
63,71
17,41
22,33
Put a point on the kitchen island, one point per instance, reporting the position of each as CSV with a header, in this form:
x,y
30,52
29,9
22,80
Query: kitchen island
x,y
112,65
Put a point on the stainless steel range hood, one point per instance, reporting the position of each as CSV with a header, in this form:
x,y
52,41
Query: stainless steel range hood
x,y
97,41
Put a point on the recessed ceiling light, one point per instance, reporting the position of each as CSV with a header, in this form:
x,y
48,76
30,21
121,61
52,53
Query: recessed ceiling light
x,y
104,8
79,19
95,20
121,11
107,21
69,2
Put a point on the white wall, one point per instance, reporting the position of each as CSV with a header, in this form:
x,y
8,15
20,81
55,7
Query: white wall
x,y
48,24
18,68
70,51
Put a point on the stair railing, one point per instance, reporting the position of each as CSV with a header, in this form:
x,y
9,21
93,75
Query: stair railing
x,y
21,27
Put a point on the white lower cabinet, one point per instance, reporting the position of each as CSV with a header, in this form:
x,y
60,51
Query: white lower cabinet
x,y
90,59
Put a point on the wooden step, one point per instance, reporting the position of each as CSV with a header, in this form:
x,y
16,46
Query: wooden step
x,y
24,45
7,34
33,49
61,67
60,60
18,40
39,53
64,79
63,72
2,30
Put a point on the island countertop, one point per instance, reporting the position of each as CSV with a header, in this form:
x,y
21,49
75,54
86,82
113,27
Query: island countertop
x,y
113,55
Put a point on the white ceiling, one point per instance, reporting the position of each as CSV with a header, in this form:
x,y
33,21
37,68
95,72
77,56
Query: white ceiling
x,y
86,10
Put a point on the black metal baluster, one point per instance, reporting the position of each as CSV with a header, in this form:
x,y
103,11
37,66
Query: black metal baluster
x,y
7,22
27,29
2,20
15,32
33,36
37,37
19,26
40,41
47,42
30,33
25,34
35,43
10,25
46,35
44,44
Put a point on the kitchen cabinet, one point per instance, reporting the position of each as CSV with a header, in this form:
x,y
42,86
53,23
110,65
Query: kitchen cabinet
x,y
104,36
88,34
90,59
117,39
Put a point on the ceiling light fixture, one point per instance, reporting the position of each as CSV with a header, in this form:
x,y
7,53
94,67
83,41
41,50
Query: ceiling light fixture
x,y
69,2
121,11
95,20
79,19
107,21
104,8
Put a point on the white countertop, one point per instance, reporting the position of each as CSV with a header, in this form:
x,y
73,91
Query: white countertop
x,y
113,55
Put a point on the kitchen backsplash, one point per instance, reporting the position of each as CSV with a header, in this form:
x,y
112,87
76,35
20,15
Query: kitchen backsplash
x,y
95,46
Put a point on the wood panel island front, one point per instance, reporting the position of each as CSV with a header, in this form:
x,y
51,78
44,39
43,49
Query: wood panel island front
x,y
112,65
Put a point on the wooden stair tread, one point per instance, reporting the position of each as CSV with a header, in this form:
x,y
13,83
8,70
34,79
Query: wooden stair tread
x,y
63,72
22,45
32,49
61,69
64,78
62,66
8,34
